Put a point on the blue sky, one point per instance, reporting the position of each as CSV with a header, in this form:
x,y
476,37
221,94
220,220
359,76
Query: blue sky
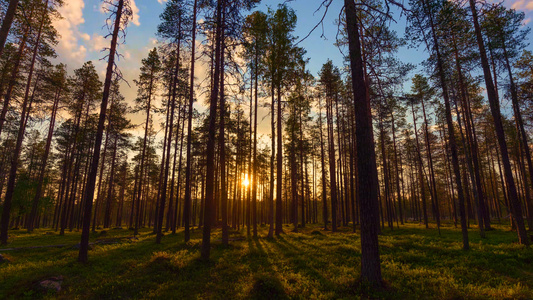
x,y
82,35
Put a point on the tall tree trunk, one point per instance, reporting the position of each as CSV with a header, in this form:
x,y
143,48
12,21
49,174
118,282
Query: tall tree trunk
x,y
516,207
187,202
255,178
222,147
434,197
523,140
366,156
272,159
471,135
421,174
451,130
332,161
396,169
279,175
120,209
210,156
161,211
111,185
91,180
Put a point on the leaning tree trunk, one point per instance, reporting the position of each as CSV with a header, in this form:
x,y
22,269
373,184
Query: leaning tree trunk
x,y
15,71
91,180
451,130
471,137
522,137
366,156
514,202
20,137
6,24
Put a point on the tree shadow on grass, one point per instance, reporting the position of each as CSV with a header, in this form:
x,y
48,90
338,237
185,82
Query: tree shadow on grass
x,y
303,262
266,281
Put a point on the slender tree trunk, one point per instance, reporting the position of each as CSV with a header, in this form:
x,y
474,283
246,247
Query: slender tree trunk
x,y
421,173
272,156
396,169
523,140
332,161
434,197
187,202
279,176
210,156
255,178
89,190
111,186
42,172
451,130
516,207
120,208
161,211
222,147
483,223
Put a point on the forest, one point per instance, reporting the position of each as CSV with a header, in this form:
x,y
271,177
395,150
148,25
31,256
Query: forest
x,y
237,172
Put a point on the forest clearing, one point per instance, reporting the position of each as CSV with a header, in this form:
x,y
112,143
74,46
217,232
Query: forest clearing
x,y
247,149
312,264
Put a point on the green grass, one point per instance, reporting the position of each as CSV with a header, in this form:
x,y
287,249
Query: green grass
x,y
313,264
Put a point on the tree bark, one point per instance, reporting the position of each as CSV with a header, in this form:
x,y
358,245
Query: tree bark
x,y
366,156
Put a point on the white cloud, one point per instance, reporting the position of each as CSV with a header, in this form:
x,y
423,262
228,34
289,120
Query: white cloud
x,y
72,13
135,11
161,1
85,37
98,42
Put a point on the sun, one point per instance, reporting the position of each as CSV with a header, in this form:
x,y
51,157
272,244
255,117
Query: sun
x,y
246,182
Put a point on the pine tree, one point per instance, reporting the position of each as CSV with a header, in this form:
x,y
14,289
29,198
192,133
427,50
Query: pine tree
x,y
121,13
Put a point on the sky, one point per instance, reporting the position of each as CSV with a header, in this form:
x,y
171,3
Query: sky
x,y
83,34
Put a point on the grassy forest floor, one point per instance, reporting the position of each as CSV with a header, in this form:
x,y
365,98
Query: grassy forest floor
x,y
312,264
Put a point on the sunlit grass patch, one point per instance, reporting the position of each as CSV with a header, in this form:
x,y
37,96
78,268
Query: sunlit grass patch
x,y
310,264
